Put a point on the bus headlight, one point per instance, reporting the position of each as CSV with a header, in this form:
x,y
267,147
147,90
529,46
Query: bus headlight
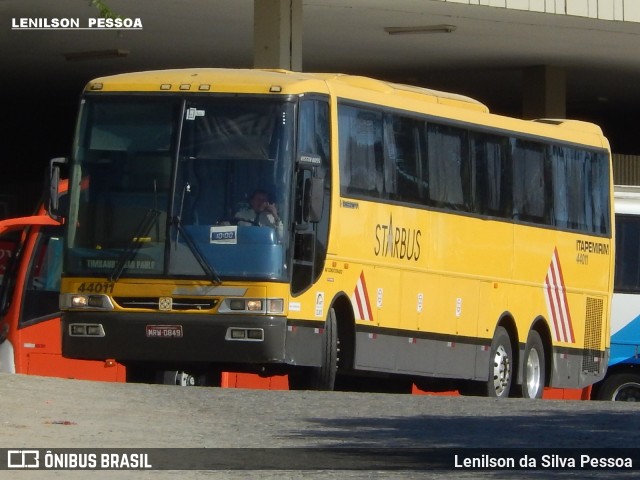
x,y
237,304
245,334
244,305
77,301
275,305
272,306
86,330
254,305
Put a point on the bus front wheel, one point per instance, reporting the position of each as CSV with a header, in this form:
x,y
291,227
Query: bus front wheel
x,y
324,376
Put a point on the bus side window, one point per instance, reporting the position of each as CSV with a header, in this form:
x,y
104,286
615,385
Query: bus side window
x,y
43,283
448,167
627,273
9,246
530,191
361,153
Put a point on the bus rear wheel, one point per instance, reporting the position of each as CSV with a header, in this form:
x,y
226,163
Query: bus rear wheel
x,y
324,376
621,387
501,365
533,374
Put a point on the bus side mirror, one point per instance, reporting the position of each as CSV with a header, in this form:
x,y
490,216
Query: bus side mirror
x,y
53,206
315,199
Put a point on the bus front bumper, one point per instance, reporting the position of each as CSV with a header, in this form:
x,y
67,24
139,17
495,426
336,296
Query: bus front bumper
x,y
187,338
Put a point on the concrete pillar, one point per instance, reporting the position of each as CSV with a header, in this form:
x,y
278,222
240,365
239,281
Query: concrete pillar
x,y
544,92
277,34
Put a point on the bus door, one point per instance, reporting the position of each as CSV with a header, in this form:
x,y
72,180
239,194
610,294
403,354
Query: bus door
x,y
30,314
9,243
311,195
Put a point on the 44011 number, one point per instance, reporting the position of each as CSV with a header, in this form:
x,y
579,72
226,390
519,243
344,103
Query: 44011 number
x,y
96,287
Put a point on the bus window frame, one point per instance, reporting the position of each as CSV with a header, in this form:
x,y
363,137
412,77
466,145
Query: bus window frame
x,y
473,131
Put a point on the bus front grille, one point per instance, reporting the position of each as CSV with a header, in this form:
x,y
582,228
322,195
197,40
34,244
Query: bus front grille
x,y
179,304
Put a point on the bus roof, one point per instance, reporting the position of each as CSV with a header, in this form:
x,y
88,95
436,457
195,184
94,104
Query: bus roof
x,y
257,80
411,92
270,81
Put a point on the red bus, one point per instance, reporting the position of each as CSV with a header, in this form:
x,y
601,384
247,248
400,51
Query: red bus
x,y
30,335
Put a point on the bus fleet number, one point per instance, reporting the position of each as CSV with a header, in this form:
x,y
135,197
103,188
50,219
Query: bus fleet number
x,y
95,287
582,259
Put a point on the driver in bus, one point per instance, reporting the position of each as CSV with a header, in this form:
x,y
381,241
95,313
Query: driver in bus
x,y
261,212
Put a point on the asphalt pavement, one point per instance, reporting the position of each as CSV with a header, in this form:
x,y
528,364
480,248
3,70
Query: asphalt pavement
x,y
51,415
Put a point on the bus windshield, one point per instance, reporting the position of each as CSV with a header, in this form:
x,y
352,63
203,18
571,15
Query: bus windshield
x,y
167,187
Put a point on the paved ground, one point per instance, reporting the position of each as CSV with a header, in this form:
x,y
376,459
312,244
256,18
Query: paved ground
x,y
47,413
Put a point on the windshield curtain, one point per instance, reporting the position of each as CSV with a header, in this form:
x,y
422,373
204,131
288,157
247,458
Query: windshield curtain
x,y
135,218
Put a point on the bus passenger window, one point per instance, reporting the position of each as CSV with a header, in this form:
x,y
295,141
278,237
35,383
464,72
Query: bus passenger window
x,y
627,272
492,191
361,156
405,150
449,184
529,199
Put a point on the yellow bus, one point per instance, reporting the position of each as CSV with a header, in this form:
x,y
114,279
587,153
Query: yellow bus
x,y
334,228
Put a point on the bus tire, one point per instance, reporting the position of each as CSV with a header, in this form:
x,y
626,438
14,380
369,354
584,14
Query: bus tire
x,y
620,387
533,367
324,376
500,365
189,378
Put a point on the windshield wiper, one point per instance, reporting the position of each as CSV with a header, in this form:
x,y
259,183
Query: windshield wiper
x,y
143,229
202,261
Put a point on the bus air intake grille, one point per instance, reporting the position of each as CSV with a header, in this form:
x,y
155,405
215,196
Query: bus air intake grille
x,y
592,355
179,304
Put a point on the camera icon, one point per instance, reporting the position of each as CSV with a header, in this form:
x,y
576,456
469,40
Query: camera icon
x,y
23,459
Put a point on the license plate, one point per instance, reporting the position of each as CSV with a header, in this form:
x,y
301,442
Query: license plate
x,y
164,331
